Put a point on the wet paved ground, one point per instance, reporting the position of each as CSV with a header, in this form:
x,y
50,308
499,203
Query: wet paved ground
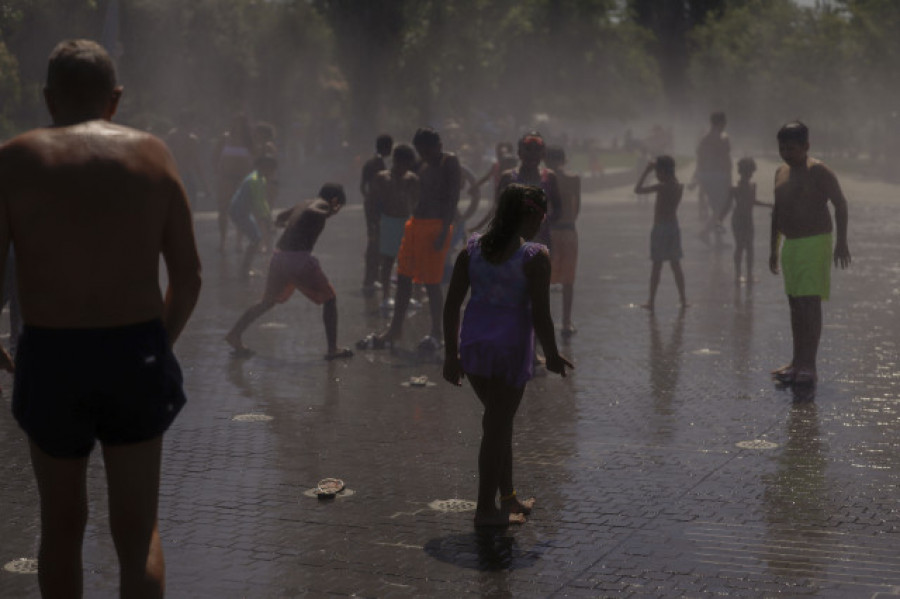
x,y
645,484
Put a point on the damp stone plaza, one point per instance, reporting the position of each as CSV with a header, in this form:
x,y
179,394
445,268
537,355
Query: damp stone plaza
x,y
668,464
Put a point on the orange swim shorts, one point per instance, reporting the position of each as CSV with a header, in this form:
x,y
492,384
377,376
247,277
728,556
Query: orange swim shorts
x,y
296,270
417,257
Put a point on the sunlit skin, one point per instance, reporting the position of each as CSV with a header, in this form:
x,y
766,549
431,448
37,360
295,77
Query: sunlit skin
x,y
803,188
668,196
90,206
500,400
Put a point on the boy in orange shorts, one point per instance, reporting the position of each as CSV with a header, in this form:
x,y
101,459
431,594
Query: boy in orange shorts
x,y
426,240
294,267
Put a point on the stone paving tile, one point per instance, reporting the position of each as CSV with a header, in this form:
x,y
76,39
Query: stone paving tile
x,y
642,488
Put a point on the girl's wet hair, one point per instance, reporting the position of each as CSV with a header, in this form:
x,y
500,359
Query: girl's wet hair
x,y
665,164
515,203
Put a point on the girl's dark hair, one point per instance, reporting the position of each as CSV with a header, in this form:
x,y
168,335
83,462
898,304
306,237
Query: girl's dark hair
x,y
514,203
404,152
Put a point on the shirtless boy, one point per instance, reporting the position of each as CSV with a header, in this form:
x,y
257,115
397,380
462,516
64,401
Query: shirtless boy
x,y
803,188
373,166
393,194
90,206
426,240
744,197
665,237
294,267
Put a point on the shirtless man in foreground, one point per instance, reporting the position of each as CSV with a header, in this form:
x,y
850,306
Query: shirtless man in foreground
x,y
90,206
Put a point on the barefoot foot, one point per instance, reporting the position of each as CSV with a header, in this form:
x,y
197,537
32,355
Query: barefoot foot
x,y
498,518
514,506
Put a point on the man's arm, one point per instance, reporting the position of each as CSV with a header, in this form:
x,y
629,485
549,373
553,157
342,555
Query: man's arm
x,y
179,250
452,177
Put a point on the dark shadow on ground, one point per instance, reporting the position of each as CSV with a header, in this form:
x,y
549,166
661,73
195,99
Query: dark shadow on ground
x,y
487,551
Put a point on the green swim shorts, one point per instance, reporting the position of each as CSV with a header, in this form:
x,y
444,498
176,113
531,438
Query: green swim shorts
x,y
806,264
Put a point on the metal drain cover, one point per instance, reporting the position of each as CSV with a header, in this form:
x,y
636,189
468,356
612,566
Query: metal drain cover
x,y
23,565
252,418
345,492
452,505
756,444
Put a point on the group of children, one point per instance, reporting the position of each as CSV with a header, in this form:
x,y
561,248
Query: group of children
x,y
801,233
410,213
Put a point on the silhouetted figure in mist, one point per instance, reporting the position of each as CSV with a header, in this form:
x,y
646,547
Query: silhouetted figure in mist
x,y
563,235
510,281
803,188
185,147
232,161
393,195
505,159
426,240
294,267
374,165
665,237
90,206
250,211
713,175
531,149
743,196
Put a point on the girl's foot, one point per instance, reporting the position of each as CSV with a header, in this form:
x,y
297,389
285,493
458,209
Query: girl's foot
x,y
498,518
514,506
805,376
785,373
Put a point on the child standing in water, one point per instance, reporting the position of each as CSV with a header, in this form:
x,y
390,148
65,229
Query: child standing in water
x,y
744,197
803,188
665,238
510,303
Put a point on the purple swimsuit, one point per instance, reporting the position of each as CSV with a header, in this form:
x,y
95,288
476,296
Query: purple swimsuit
x,y
497,336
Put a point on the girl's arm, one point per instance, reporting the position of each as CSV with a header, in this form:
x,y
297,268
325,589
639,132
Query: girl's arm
x,y
537,273
456,294
755,201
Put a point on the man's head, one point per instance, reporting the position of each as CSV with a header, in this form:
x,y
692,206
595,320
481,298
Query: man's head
x,y
718,120
531,149
333,193
793,142
81,83
404,158
383,144
427,143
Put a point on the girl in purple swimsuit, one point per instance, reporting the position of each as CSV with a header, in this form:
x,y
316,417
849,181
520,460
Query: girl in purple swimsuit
x,y
510,303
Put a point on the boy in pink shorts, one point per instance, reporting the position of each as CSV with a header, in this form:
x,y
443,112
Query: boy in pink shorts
x,y
294,267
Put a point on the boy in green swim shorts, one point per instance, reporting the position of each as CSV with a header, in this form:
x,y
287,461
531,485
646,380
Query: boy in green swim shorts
x,y
803,188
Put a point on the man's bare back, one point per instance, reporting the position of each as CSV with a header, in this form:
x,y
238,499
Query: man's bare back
x,y
801,199
90,207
